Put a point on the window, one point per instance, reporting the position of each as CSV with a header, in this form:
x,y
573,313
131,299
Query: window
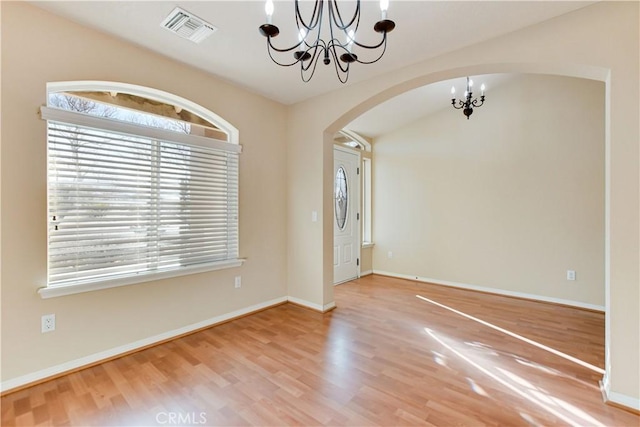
x,y
366,201
135,196
354,141
341,198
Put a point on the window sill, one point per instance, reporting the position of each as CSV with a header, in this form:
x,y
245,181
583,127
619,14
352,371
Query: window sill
x,y
366,245
58,291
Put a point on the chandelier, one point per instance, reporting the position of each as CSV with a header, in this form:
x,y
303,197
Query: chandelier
x,y
339,47
467,104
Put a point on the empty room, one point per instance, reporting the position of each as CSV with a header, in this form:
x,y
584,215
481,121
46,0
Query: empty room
x,y
320,213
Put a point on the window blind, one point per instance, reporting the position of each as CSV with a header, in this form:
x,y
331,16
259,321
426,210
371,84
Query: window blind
x,y
123,205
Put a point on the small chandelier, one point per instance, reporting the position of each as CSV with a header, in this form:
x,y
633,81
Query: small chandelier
x,y
467,103
339,48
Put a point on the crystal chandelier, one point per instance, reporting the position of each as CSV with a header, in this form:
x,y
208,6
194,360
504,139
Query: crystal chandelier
x,y
340,46
467,104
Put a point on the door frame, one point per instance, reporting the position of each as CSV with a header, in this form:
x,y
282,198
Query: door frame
x,y
358,185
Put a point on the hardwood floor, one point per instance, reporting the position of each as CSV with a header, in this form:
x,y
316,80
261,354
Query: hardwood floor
x,y
383,357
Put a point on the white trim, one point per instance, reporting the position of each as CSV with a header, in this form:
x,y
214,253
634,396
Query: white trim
x,y
366,273
119,126
366,245
624,400
149,93
494,291
305,303
348,150
357,138
117,351
58,291
605,385
617,398
329,306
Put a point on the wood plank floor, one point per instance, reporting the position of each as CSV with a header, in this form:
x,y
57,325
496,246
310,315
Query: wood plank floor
x,y
383,357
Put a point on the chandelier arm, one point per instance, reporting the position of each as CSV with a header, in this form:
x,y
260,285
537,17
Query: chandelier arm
x,y
313,62
270,47
342,73
335,12
336,18
477,103
384,49
365,46
280,63
304,45
461,104
346,76
317,24
316,16
333,46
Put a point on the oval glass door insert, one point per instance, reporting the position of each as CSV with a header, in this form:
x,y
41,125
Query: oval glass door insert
x,y
341,198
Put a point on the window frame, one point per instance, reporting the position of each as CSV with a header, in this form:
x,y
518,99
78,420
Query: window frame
x,y
111,125
366,191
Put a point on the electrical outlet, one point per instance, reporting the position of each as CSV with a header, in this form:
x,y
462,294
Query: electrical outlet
x,y
389,254
571,275
48,323
238,282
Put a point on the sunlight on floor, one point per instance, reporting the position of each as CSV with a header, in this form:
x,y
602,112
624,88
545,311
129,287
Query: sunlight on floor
x,y
557,407
440,358
476,388
520,337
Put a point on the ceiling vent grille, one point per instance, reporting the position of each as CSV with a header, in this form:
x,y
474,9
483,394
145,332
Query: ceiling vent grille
x,y
187,26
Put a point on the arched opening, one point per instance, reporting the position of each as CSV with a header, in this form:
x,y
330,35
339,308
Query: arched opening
x,y
575,71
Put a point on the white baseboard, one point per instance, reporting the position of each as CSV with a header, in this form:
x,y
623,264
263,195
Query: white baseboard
x,y
366,273
617,398
311,305
72,365
329,307
117,351
494,291
623,400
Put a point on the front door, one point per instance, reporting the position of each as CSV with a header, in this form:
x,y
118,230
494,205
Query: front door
x,y
346,208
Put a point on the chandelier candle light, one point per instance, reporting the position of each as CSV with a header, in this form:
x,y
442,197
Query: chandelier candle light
x,y
467,103
339,48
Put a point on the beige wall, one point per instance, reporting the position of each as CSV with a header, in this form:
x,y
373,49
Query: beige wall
x,y
510,199
37,48
600,42
366,260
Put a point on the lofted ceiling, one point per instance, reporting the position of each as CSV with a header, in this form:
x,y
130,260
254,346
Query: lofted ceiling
x,y
236,52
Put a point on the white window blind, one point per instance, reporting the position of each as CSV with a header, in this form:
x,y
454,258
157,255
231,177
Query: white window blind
x,y
124,204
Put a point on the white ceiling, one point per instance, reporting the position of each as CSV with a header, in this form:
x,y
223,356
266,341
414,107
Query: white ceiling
x,y
237,53
420,102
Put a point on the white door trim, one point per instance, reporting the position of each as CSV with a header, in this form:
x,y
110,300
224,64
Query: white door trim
x,y
353,208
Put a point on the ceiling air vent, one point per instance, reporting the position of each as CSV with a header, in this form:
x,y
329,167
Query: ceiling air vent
x,y
187,25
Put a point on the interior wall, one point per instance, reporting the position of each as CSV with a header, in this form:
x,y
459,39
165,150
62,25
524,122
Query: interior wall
x,y
366,261
508,200
595,42
38,47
